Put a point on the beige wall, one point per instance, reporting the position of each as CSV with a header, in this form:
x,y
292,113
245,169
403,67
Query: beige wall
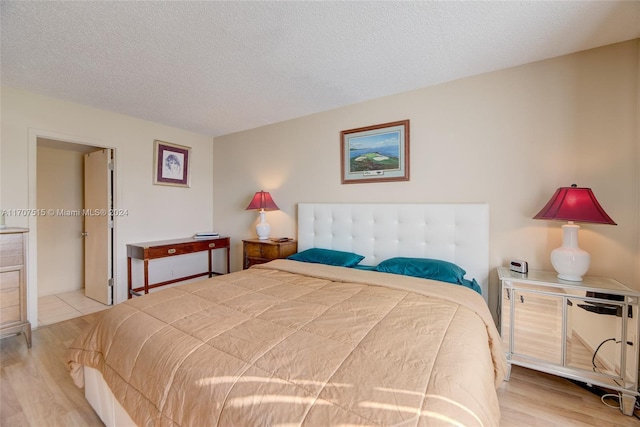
x,y
508,138
154,212
60,245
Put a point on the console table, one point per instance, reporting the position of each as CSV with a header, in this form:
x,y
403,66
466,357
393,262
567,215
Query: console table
x,y
147,251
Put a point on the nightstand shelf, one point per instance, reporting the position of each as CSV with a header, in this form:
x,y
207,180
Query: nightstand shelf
x,y
256,251
585,331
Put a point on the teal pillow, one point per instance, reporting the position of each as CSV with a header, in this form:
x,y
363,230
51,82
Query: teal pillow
x,y
425,268
473,285
327,256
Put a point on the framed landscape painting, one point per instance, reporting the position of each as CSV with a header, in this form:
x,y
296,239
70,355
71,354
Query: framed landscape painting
x,y
378,153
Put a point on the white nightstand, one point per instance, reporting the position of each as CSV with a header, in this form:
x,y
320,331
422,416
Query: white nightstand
x,y
585,331
13,283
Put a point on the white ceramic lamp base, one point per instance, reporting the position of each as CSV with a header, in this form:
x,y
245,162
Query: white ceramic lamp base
x,y
263,229
569,260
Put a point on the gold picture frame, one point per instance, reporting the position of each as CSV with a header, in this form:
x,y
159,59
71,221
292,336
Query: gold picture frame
x,y
378,153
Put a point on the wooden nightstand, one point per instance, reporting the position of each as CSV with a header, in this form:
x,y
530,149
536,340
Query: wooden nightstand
x,y
256,251
587,331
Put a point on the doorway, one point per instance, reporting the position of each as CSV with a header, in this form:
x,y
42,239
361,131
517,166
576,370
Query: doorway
x,y
62,249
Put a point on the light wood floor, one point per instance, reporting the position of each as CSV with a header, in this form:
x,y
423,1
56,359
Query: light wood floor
x,y
535,399
36,390
35,387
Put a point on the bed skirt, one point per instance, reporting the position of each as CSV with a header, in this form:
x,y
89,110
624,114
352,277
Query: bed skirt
x,y
103,401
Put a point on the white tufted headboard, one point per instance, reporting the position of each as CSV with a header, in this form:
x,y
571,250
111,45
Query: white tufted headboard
x,y
457,233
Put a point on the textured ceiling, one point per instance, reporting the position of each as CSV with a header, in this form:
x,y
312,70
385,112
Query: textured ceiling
x,y
221,67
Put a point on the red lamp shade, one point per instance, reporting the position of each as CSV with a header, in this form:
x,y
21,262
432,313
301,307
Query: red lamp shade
x,y
574,204
262,200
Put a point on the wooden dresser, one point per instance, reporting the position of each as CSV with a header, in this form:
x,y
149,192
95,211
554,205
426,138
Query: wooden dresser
x,y
13,283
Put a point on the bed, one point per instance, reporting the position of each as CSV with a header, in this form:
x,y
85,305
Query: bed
x,y
294,342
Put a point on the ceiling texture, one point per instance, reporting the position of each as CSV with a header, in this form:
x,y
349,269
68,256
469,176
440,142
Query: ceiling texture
x,y
216,67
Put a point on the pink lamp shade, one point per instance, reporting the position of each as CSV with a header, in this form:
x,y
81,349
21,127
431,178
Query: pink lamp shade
x,y
572,204
262,200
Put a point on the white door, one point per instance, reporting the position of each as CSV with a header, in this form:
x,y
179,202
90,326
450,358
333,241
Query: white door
x,y
98,226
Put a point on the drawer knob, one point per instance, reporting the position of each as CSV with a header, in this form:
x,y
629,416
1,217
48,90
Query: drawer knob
x,y
171,251
212,245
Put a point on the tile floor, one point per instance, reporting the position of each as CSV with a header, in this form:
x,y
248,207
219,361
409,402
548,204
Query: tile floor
x,y
65,306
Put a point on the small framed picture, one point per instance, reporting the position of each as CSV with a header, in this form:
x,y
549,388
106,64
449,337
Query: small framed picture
x,y
172,164
376,153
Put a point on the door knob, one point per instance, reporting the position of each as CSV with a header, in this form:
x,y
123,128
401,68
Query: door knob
x,y
85,234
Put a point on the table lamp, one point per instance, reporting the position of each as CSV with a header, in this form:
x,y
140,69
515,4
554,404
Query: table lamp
x,y
262,200
572,204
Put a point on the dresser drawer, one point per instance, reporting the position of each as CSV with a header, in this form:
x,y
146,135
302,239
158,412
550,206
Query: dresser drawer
x,y
10,280
9,288
9,315
9,298
11,250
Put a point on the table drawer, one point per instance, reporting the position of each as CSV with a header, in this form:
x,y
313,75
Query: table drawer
x,y
270,251
253,250
217,243
169,250
261,251
185,248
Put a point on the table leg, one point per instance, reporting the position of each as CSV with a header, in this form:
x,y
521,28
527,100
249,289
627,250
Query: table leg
x,y
210,263
129,284
627,403
146,276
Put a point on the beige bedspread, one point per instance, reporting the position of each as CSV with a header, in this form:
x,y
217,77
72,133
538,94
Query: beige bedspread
x,y
289,343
